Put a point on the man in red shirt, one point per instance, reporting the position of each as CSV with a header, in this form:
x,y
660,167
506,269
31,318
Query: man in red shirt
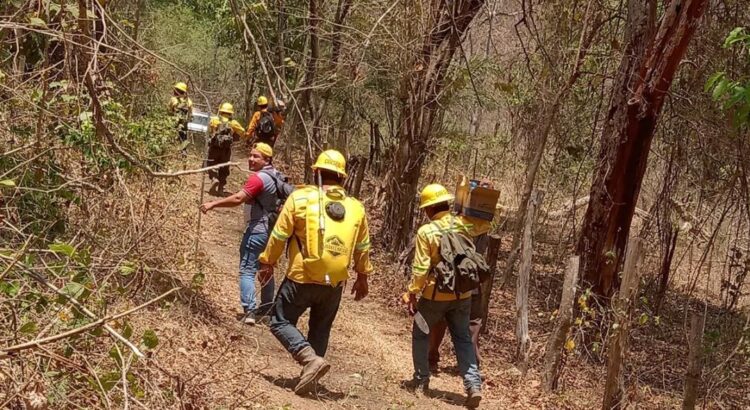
x,y
261,196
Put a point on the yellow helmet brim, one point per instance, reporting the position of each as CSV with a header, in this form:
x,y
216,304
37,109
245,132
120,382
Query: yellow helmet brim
x,y
329,168
435,201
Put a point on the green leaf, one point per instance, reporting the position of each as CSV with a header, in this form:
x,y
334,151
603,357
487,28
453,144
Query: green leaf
x,y
10,288
109,380
8,182
643,319
28,327
736,35
73,289
64,248
36,21
720,88
127,268
712,80
150,339
127,330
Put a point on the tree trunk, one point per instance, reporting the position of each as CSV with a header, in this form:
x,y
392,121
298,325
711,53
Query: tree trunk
x,y
420,112
666,267
695,360
493,248
523,340
556,341
618,340
645,75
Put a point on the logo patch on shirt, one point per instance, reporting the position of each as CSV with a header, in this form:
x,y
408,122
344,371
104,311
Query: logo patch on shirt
x,y
335,246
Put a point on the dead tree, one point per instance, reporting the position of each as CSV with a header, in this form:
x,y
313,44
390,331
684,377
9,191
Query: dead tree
x,y
523,340
556,341
618,340
420,112
695,360
645,75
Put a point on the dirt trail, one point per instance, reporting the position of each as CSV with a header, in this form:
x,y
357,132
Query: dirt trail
x,y
228,364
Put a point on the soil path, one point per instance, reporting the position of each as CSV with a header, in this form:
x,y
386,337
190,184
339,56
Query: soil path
x,y
230,365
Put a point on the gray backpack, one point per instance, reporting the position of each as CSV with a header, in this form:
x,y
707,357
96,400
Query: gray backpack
x,y
461,268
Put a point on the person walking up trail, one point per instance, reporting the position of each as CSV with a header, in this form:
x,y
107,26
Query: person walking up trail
x,y
181,106
431,278
266,123
327,232
262,195
224,131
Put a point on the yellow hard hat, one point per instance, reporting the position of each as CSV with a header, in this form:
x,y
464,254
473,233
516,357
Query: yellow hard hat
x,y
433,194
331,160
262,100
264,149
181,87
226,108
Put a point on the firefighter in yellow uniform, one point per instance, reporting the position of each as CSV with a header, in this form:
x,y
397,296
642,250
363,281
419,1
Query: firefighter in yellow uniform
x,y
326,231
433,305
181,106
224,131
265,124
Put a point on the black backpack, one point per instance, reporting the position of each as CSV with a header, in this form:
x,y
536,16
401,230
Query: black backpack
x,y
266,126
222,137
461,268
283,190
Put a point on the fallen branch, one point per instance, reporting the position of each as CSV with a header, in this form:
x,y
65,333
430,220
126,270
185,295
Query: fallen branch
x,y
92,325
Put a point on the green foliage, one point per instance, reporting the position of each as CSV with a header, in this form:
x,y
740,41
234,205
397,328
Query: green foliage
x,y
150,339
733,94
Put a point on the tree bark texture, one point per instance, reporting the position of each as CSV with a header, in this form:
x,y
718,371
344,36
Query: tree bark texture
x,y
645,75
554,351
523,341
618,339
695,360
420,112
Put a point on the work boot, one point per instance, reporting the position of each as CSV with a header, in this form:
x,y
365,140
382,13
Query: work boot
x,y
419,386
249,318
473,397
313,368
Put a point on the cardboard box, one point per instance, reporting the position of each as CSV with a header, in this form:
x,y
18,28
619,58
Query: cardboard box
x,y
475,200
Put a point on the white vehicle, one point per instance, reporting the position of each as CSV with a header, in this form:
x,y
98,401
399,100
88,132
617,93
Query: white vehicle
x,y
199,122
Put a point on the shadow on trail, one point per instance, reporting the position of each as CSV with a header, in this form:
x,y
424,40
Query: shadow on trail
x,y
321,393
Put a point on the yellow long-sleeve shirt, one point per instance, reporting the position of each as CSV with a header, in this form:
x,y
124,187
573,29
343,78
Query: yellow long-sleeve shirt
x,y
237,129
181,103
427,252
291,226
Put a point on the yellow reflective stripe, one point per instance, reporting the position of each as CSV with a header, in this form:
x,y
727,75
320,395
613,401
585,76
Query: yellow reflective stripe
x,y
421,269
363,246
279,235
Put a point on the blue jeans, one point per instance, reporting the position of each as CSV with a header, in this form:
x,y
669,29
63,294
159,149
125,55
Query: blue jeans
x,y
456,314
252,246
292,300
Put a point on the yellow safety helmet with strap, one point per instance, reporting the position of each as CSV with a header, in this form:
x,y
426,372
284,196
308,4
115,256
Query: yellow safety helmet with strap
x,y
226,108
433,194
331,160
262,100
180,86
